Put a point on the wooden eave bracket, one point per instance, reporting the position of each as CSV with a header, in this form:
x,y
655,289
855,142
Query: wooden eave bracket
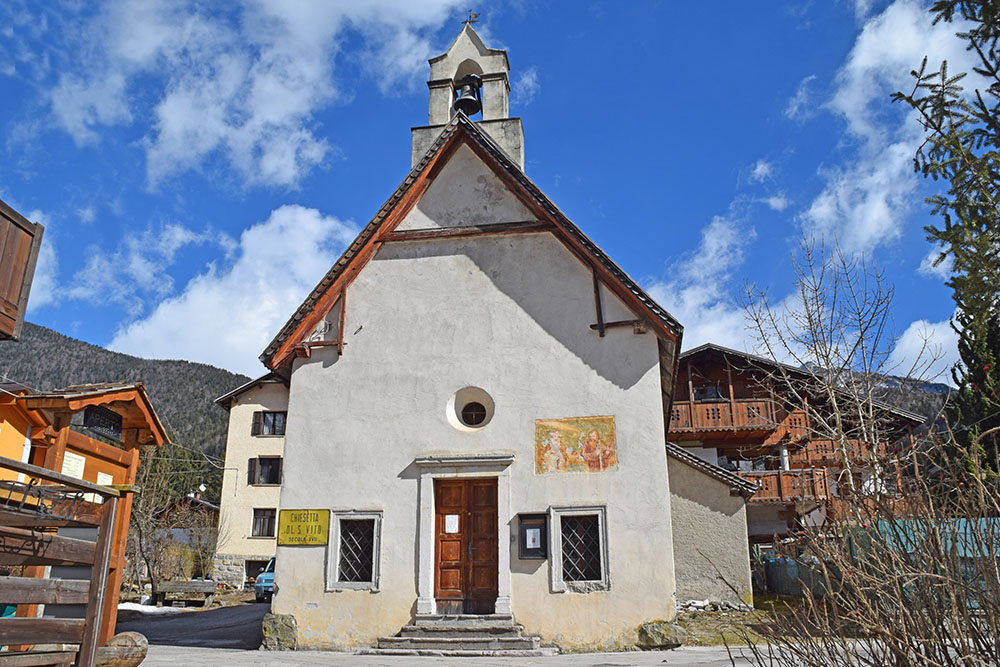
x,y
304,349
638,325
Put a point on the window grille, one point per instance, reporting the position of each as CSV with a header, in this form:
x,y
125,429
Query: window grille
x,y
357,550
581,548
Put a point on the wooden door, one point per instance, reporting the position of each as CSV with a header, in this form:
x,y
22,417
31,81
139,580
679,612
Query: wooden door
x,y
466,571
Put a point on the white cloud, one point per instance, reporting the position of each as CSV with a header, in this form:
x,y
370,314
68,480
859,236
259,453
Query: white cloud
x,y
865,204
778,202
941,270
889,47
699,294
226,316
244,86
136,271
867,199
526,87
86,214
800,105
862,8
926,350
761,171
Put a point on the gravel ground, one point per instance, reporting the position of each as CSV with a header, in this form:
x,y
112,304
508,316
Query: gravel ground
x,y
229,636
695,656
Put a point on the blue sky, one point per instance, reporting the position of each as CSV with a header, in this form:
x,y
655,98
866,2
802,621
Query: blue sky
x,y
198,166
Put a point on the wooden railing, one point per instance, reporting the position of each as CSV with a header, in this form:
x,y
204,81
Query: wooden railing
x,y
788,486
29,512
828,452
738,415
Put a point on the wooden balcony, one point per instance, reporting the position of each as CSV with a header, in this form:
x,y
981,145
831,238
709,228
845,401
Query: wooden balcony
x,y
789,486
828,453
740,415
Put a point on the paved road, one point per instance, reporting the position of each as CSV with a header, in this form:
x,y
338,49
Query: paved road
x,y
229,637
172,656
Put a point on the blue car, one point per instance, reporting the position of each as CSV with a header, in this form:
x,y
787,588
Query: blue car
x,y
263,585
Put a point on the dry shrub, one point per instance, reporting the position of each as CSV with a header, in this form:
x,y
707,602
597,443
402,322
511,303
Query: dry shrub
x,y
909,577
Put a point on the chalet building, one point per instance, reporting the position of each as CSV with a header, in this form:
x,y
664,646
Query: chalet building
x,y
729,410
49,430
476,421
251,481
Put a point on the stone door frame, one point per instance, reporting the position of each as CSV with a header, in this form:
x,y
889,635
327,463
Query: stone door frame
x,y
466,465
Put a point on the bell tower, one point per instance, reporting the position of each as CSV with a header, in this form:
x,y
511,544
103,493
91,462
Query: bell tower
x,y
471,77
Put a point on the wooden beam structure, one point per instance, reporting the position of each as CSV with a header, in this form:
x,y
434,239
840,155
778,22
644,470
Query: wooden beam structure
x,y
598,305
497,229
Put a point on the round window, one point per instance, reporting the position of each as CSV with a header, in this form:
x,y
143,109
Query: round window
x,y
470,409
474,413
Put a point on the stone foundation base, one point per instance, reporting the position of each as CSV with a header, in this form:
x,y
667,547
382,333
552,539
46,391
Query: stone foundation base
x,y
280,632
229,570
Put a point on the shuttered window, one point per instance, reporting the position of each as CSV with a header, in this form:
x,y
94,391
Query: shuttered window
x,y
263,522
264,470
268,423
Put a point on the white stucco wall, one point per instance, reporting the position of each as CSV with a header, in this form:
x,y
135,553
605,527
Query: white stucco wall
x,y
512,315
238,498
466,193
710,537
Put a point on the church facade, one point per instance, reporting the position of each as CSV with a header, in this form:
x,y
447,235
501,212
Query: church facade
x,y
476,406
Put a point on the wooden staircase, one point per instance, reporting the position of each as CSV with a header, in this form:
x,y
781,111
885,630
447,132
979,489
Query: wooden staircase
x,y
490,635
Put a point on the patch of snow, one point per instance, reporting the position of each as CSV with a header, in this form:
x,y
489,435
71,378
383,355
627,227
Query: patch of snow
x,y
149,609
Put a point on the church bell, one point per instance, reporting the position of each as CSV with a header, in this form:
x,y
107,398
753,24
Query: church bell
x,y
469,98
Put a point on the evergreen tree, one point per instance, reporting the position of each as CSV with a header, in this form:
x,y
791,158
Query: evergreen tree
x,y
962,147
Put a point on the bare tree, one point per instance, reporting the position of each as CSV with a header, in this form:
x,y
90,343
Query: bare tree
x,y
909,576
836,339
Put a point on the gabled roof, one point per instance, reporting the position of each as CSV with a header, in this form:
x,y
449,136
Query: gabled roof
x,y
764,362
227,400
127,399
460,130
744,486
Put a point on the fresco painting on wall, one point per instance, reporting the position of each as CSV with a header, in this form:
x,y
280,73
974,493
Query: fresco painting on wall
x,y
575,444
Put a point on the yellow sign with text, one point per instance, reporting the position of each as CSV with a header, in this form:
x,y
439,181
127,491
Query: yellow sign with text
x,y
299,528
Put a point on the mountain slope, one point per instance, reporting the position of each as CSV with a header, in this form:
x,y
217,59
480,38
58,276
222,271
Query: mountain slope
x,y
182,392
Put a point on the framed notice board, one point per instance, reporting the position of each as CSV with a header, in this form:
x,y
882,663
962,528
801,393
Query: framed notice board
x,y
532,536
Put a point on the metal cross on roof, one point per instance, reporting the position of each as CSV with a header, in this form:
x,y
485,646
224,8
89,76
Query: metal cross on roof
x,y
473,16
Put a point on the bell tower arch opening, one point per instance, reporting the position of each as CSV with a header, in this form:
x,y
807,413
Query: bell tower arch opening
x,y
473,78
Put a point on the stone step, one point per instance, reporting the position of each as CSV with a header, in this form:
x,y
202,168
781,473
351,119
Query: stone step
x,y
460,643
465,629
430,619
462,653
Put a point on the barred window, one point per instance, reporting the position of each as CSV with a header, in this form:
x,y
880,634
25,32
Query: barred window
x,y
581,548
357,546
263,522
354,550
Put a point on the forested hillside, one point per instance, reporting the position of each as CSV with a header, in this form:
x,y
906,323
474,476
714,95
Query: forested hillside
x,y
182,392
